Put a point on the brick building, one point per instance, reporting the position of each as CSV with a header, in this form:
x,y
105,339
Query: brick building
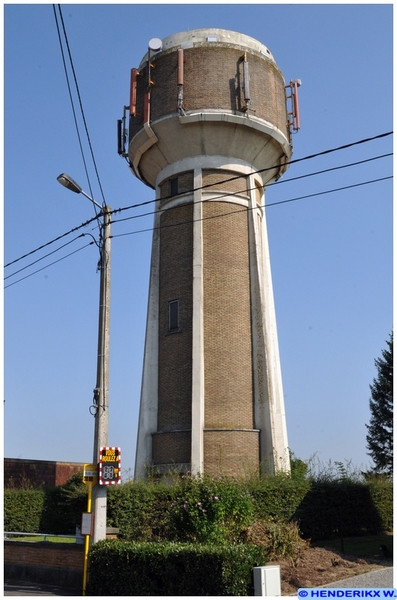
x,y
209,128
21,472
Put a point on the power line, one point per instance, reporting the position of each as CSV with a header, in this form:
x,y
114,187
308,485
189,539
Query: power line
x,y
234,212
71,97
51,242
291,162
47,255
346,187
203,187
49,265
80,102
243,191
354,164
191,221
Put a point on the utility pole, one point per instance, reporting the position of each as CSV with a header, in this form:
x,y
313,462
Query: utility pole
x,y
101,391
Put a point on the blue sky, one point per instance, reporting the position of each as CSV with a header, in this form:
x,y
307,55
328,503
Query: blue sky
x,y
331,254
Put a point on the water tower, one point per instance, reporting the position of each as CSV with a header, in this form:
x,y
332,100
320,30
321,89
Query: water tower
x,y
208,126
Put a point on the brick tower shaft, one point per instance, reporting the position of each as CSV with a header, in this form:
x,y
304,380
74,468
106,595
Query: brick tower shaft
x,y
208,130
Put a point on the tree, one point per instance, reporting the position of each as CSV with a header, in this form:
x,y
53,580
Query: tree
x,y
380,428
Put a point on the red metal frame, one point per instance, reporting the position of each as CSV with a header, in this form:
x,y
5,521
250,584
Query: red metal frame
x,y
134,74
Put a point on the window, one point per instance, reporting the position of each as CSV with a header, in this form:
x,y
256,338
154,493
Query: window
x,y
174,186
173,315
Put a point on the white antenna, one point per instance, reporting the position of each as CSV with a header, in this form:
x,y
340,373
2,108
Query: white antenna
x,y
155,44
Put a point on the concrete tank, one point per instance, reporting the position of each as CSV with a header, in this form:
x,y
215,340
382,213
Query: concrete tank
x,y
217,118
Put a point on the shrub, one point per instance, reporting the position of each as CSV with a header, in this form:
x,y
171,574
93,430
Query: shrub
x,y
321,508
276,538
63,508
278,497
381,493
140,510
299,468
209,509
55,510
119,568
143,511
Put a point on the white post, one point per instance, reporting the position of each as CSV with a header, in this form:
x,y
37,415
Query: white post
x,y
147,422
197,443
267,581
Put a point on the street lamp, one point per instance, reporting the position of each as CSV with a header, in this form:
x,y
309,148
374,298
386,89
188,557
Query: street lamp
x,y
101,391
70,184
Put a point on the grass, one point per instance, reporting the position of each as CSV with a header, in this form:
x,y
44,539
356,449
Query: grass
x,y
40,538
366,546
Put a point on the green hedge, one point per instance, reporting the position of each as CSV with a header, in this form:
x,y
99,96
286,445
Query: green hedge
x,y
56,510
327,508
120,568
278,497
340,508
146,511
140,510
381,493
321,509
23,510
63,508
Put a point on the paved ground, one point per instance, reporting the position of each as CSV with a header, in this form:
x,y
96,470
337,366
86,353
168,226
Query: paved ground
x,y
21,588
381,578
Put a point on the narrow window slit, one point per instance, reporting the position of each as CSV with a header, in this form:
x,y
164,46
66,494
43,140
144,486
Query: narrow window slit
x,y
173,315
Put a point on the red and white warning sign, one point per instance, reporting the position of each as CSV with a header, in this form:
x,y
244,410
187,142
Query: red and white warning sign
x,y
109,465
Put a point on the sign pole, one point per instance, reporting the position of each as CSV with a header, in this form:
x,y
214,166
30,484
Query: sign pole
x,y
87,539
90,478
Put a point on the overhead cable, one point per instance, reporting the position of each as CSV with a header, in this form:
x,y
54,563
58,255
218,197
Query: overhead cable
x,y
50,254
291,162
242,191
80,102
234,212
51,242
118,210
226,214
71,98
49,265
353,164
